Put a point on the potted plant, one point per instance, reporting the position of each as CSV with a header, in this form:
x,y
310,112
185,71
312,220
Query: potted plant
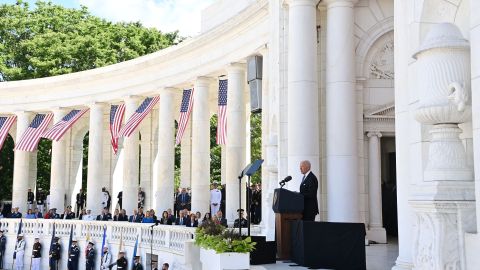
x,y
221,248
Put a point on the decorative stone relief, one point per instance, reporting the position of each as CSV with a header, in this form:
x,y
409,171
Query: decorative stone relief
x,y
382,65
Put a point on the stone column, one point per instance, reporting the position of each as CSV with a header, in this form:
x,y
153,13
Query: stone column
x,y
236,130
130,161
472,240
95,158
341,127
376,232
166,151
186,157
21,165
201,146
58,169
302,93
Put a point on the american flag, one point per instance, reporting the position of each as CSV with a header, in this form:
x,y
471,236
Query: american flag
x,y
185,110
222,112
138,116
5,125
31,136
116,119
61,127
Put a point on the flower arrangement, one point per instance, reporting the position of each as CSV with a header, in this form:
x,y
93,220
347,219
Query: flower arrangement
x,y
210,235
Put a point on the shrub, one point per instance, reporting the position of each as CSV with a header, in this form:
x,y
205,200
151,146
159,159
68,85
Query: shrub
x,y
214,236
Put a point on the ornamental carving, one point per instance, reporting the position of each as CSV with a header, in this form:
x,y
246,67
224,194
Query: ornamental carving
x,y
382,65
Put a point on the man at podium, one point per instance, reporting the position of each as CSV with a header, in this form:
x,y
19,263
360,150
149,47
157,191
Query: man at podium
x,y
308,188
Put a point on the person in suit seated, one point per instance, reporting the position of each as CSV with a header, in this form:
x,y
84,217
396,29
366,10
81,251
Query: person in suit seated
x,y
165,220
240,221
134,217
221,220
182,219
192,222
105,216
123,215
308,188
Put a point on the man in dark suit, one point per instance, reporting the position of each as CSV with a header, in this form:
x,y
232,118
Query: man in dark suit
x,y
182,219
308,188
183,200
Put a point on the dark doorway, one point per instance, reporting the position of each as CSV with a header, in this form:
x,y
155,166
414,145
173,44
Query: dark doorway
x,y
389,186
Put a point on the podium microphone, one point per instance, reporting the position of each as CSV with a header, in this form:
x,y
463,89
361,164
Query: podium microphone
x,y
288,178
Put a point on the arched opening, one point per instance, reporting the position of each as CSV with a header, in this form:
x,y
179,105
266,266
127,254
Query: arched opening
x,y
256,180
44,164
6,171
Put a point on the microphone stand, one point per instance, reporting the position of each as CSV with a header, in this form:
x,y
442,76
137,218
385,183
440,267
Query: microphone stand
x,y
151,247
240,203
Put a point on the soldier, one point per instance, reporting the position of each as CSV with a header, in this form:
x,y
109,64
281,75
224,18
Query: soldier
x,y
106,259
141,198
3,245
121,263
90,256
30,198
54,255
73,256
36,254
79,201
240,222
19,252
215,200
104,198
137,265
40,201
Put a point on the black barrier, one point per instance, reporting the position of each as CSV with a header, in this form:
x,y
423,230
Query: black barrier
x,y
329,245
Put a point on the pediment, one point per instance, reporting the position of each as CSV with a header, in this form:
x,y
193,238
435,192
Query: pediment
x,y
384,112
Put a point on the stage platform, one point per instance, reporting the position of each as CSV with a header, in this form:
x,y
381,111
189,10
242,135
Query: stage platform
x,y
379,257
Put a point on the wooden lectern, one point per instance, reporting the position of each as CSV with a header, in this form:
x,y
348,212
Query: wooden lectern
x,y
288,206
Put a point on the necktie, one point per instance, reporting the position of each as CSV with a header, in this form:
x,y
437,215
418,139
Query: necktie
x,y
303,179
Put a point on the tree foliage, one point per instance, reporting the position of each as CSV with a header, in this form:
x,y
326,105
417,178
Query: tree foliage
x,y
51,40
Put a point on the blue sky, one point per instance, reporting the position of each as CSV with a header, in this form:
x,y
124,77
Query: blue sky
x,y
165,15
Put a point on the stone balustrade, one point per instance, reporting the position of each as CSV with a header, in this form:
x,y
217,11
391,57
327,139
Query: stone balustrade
x,y
168,242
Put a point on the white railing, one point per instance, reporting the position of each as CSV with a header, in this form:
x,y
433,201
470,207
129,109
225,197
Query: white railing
x,y
165,241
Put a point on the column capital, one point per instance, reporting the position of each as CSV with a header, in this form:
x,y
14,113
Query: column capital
x,y
236,67
168,90
203,81
96,104
292,3
132,97
340,3
371,134
21,113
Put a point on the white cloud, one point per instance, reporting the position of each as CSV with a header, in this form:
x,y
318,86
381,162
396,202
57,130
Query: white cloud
x,y
165,15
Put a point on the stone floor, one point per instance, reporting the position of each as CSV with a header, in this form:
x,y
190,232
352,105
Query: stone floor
x,y
379,257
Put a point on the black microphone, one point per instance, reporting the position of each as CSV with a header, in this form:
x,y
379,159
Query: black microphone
x,y
155,224
288,178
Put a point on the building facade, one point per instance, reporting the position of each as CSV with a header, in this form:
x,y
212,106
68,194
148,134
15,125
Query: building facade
x,y
380,95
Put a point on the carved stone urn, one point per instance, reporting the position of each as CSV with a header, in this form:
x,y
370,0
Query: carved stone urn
x,y
443,62
443,202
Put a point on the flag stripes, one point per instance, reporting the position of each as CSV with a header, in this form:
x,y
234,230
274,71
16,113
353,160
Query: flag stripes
x,y
59,129
116,119
138,116
31,136
222,112
5,125
185,110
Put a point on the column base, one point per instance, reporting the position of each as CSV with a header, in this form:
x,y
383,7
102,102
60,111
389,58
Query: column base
x,y
400,264
378,235
472,249
439,230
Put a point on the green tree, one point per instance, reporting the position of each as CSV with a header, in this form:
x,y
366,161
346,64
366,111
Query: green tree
x,y
6,168
256,143
51,40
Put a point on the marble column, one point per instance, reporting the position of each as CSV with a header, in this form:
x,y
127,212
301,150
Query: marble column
x,y
58,167
341,127
95,158
376,232
201,146
236,130
165,151
186,157
130,161
302,93
21,165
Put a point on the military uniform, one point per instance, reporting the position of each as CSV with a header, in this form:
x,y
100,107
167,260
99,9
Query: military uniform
x,y
138,266
90,259
73,256
243,222
36,256
55,255
30,199
19,254
3,245
41,201
122,263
